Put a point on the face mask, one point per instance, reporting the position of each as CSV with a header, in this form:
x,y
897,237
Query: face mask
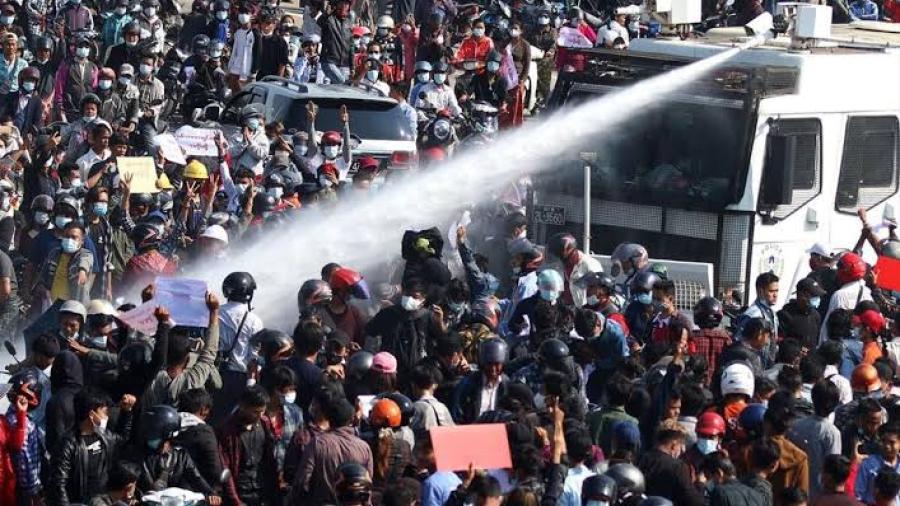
x,y
214,55
87,119
372,75
131,43
331,152
241,188
644,298
365,40
7,20
815,301
458,307
103,423
301,149
377,56
77,183
276,192
515,33
593,300
253,124
439,40
222,15
61,221
104,84
41,218
440,78
478,32
516,270
493,66
28,86
150,12
410,303
124,81
69,245
154,443
101,208
543,20
423,77
98,341
120,11
243,19
549,295
146,69
289,398
707,446
82,52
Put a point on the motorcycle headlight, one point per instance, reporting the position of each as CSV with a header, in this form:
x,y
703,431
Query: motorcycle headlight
x,y
442,129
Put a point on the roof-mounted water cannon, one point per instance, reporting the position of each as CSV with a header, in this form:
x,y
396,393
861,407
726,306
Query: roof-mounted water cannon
x,y
677,17
808,25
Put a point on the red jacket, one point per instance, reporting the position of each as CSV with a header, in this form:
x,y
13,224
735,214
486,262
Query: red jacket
x,y
472,49
12,439
142,269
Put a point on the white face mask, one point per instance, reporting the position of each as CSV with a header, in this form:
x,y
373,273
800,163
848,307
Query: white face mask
x,y
543,21
372,75
593,300
478,32
275,192
150,12
104,84
301,149
41,218
222,15
289,398
331,152
243,19
61,221
707,446
515,33
410,303
98,341
103,423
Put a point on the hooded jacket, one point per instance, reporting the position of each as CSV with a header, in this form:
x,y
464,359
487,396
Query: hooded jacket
x,y
199,440
66,380
793,468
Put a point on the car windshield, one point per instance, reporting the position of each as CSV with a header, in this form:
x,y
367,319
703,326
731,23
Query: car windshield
x,y
370,120
686,152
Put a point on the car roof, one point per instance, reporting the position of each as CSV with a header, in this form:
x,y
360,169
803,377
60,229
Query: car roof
x,y
322,91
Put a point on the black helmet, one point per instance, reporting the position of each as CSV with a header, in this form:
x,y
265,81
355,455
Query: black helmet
x,y
441,67
353,485
142,199
629,480
553,350
159,423
43,42
494,56
221,5
263,203
312,293
63,201
598,487
200,43
655,500
406,406
492,351
145,236
708,313
151,3
359,363
27,384
239,287
132,27
42,202
559,242
135,358
601,279
643,281
270,342
274,179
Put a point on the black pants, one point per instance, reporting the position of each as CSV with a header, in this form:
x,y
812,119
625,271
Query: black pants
x,y
233,385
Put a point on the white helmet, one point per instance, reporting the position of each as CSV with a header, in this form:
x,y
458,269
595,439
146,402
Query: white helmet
x,y
101,306
737,379
73,307
385,22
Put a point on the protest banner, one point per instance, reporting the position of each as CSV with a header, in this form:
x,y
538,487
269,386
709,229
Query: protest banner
x,y
197,141
185,299
141,171
571,37
486,447
141,318
887,273
170,148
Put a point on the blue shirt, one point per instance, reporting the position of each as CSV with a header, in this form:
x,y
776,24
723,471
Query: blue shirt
x,y
865,477
572,486
438,487
864,9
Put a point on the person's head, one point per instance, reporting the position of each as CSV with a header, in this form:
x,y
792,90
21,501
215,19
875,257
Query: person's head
x,y
91,409
779,414
342,8
830,352
123,481
767,288
809,293
820,257
309,337
100,134
280,383
812,369
717,467
869,416
825,397
492,356
664,296
478,29
618,390
251,405
872,324
588,323
402,492
44,350
835,471
764,456
10,45
73,237
756,333
425,378
889,439
71,318
793,496
414,293
839,324
196,401
887,487
267,24
670,441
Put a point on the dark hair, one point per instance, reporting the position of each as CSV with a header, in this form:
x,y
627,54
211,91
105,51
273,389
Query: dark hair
x,y
618,390
578,445
638,404
831,352
839,324
763,385
179,349
527,460
789,379
193,400
122,475
545,316
402,492
273,379
557,383
339,412
755,327
765,279
447,345
764,454
585,321
666,286
87,400
424,376
780,412
47,345
458,290
812,368
885,369
717,461
887,483
837,466
825,397
793,495
890,428
483,486
254,397
666,436
414,285
693,399
867,406
308,338
327,270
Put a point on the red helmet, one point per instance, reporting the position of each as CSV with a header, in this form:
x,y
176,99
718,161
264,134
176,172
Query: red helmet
x,y
710,424
348,279
368,163
385,413
865,379
359,31
850,268
331,138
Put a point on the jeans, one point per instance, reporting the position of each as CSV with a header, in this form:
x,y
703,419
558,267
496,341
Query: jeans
x,y
336,74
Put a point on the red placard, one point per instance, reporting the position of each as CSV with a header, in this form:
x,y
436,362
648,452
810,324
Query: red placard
x,y
484,445
887,272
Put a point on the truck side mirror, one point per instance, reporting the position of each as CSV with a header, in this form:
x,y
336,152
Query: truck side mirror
x,y
778,178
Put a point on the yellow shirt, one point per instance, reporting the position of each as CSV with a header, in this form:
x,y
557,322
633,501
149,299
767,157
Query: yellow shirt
x,y
60,288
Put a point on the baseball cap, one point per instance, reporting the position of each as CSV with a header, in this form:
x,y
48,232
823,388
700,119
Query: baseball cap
x,y
384,362
821,249
810,286
872,320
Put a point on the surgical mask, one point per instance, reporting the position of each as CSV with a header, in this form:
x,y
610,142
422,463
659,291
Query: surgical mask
x,y
289,398
98,341
124,81
457,307
101,208
707,446
150,12
372,75
69,245
478,32
375,55
104,84
146,69
131,43
515,33
439,40
516,270
815,302
593,300
41,218
549,295
275,192
493,66
120,11
644,298
331,152
301,149
365,40
103,423
243,19
222,15
253,124
440,78
87,119
28,86
7,20
82,52
423,77
241,188
77,183
543,20
61,221
410,303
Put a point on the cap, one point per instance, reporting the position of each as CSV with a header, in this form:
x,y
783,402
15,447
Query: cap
x,y
126,70
821,249
384,362
810,286
872,320
215,232
626,433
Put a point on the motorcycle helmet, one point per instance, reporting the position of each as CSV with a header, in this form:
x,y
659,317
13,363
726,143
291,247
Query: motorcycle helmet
x,y
239,287
553,350
492,351
710,424
216,48
272,344
599,279
43,203
751,419
850,267
43,42
313,292
384,414
145,236
629,480
708,313
598,488
158,424
441,67
865,379
359,364
354,485
385,22
737,378
331,138
200,44
550,279
27,384
422,66
135,359
628,252
559,243
643,282
347,279
407,410
73,307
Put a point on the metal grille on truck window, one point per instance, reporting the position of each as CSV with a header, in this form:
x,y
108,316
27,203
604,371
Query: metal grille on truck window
x,y
869,163
807,162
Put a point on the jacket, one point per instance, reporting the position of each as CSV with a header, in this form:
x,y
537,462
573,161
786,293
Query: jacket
x,y
73,81
229,436
31,118
199,440
800,323
467,397
669,477
160,471
793,468
165,390
66,380
318,470
584,265
734,493
403,333
68,479
82,260
143,268
12,440
336,40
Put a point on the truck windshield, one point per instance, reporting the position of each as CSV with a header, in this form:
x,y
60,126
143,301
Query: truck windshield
x,y
686,152
370,120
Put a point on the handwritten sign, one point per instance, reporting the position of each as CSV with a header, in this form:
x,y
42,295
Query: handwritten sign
x,y
486,446
170,148
185,299
141,171
197,141
571,37
141,318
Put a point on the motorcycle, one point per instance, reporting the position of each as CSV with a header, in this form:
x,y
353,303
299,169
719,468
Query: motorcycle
x,y
480,124
437,135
